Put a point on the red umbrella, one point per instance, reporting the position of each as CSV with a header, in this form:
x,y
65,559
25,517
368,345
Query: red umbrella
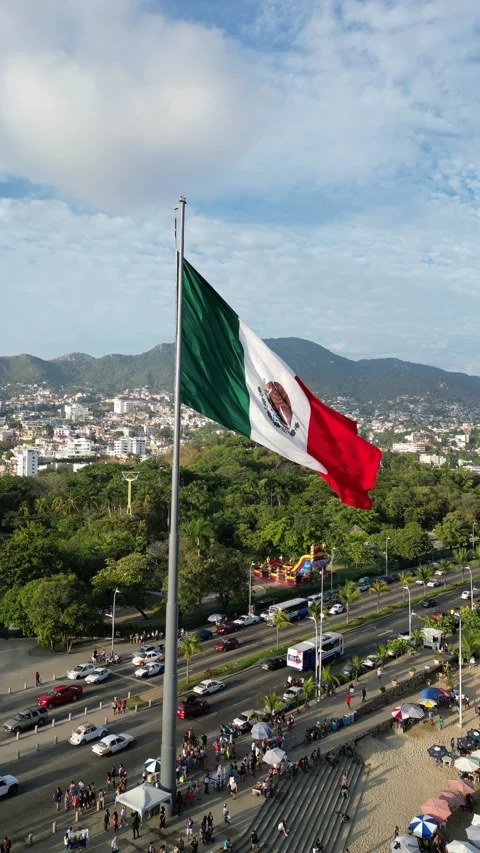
x,y
436,808
460,787
453,800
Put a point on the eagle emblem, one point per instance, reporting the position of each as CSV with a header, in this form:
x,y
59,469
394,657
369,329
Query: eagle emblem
x,y
278,407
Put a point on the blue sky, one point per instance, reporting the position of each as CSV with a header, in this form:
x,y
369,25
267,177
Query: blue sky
x,y
329,152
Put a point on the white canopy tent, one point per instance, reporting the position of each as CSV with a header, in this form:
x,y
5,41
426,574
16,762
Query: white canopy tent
x,y
143,798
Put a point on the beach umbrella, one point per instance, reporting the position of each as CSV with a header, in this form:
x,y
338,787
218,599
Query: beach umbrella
x,y
428,703
437,751
452,799
466,743
458,786
260,731
431,693
274,756
398,714
467,764
474,734
438,809
404,844
461,847
415,712
475,820
153,765
423,826
475,753
216,617
473,833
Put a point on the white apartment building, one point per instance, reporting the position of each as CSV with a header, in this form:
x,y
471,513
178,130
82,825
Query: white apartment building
x,y
408,447
76,412
26,462
121,447
121,406
77,447
138,446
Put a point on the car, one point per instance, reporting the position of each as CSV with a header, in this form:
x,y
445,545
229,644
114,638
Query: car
x,y
226,628
60,695
246,620
87,732
148,670
210,685
433,583
363,587
112,744
227,645
336,609
192,706
100,673
371,662
439,573
317,596
419,582
274,663
151,656
8,785
25,720
436,615
404,635
80,671
429,602
204,635
294,695
246,719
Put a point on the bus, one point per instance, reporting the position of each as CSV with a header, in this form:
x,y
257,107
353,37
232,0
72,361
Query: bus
x,y
295,608
302,656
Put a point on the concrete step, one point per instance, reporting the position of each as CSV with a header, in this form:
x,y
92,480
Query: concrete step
x,y
339,830
346,829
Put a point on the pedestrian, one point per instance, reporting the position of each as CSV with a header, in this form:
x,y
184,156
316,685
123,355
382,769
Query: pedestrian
x,y
57,798
364,694
396,832
441,722
7,845
123,816
232,784
66,840
452,744
114,844
282,827
348,699
475,708
115,821
179,802
37,679
254,839
151,848
226,815
136,825
109,780
106,819
379,673
351,689
163,818
114,773
194,845
189,827
206,784
144,776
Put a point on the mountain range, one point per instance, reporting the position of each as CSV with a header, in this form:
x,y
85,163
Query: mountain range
x,y
369,385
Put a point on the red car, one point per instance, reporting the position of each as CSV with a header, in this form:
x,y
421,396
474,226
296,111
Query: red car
x,y
60,695
192,706
226,628
436,615
226,645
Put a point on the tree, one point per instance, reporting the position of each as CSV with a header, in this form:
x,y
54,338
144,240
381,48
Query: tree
x,y
445,566
405,579
14,609
348,595
317,613
272,703
460,557
198,533
354,548
425,574
60,606
132,575
417,639
309,687
378,588
188,647
32,551
356,665
280,621
382,652
329,679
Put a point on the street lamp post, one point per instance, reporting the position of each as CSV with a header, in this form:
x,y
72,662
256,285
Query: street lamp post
x,y
473,536
409,611
460,695
250,610
388,539
318,645
468,569
331,572
113,619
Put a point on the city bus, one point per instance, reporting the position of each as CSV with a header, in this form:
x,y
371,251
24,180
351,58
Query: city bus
x,y
302,656
295,608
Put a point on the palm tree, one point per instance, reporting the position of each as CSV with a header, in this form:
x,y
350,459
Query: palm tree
x,y
425,574
309,688
347,595
356,665
445,566
189,646
280,621
199,534
460,557
317,613
377,589
328,678
382,652
406,578
272,703
417,639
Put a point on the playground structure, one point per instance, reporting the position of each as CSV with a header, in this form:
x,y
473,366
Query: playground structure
x,y
305,571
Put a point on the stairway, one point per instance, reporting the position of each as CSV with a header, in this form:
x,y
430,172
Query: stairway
x,y
309,804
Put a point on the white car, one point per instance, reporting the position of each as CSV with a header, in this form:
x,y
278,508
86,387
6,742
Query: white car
x,y
419,582
148,670
433,583
87,732
209,686
80,671
371,661
336,609
439,572
100,673
244,621
465,594
247,717
147,657
404,636
8,785
293,694
111,744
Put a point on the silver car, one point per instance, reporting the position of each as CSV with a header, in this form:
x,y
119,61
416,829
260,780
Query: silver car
x,y
27,719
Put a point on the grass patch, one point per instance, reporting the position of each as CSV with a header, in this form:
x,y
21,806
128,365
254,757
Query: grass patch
x,y
136,701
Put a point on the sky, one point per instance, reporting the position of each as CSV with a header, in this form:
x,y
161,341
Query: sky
x,y
329,151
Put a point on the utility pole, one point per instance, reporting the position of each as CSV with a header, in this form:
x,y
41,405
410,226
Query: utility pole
x,y
130,477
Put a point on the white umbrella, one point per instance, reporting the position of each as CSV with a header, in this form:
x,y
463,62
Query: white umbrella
x,y
473,833
152,765
461,847
423,826
467,764
415,712
475,820
475,753
260,731
404,844
216,617
274,756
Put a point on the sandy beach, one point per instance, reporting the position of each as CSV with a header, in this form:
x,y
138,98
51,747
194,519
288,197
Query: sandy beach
x,y
402,776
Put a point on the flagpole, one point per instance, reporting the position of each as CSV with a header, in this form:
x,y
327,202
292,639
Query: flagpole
x,y
169,714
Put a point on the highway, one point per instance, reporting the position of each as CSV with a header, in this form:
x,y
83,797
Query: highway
x,y
39,773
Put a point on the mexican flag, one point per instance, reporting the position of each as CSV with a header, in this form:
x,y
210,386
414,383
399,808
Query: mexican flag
x,y
232,377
